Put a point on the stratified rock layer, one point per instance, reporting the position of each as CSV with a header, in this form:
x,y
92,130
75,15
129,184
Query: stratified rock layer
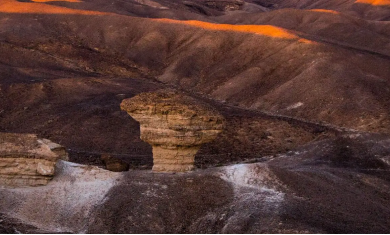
x,y
175,125
26,160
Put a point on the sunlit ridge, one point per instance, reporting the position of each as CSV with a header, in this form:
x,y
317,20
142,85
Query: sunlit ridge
x,y
375,2
56,0
325,11
13,6
266,30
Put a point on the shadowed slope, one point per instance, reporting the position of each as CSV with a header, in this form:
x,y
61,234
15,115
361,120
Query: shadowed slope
x,y
260,67
280,75
325,26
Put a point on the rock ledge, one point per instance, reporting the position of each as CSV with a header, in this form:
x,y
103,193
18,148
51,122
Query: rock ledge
x,y
27,160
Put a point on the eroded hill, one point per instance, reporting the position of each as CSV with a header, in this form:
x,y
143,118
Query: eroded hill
x,y
311,64
283,74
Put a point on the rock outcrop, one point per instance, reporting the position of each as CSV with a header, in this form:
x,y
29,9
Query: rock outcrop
x,y
175,125
114,164
26,160
225,5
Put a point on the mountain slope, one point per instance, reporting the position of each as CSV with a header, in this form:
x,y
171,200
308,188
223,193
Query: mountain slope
x,y
315,65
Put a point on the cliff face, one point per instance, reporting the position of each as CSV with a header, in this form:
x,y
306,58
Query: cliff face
x,y
27,160
175,125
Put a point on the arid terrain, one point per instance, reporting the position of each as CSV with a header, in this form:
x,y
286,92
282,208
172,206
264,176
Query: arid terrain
x,y
303,85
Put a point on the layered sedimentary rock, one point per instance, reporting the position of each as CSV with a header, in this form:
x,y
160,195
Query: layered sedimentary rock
x,y
175,125
26,160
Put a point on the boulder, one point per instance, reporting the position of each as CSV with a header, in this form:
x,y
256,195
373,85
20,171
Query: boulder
x,y
175,125
114,164
26,160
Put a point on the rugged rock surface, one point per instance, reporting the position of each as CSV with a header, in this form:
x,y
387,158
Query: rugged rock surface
x,y
224,5
332,186
114,164
175,125
64,205
27,160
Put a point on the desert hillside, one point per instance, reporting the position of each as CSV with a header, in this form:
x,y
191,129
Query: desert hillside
x,y
289,77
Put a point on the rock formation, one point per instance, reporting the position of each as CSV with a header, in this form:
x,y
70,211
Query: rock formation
x,y
27,160
225,5
175,125
114,164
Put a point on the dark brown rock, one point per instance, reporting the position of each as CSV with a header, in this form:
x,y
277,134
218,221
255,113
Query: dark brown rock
x,y
114,164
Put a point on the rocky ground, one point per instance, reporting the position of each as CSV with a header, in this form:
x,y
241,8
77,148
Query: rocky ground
x,y
303,85
331,186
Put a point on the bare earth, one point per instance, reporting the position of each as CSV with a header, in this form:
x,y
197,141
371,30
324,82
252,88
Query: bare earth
x,y
304,87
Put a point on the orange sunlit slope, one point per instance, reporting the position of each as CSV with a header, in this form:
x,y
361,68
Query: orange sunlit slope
x,y
325,11
56,0
266,30
13,6
375,2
